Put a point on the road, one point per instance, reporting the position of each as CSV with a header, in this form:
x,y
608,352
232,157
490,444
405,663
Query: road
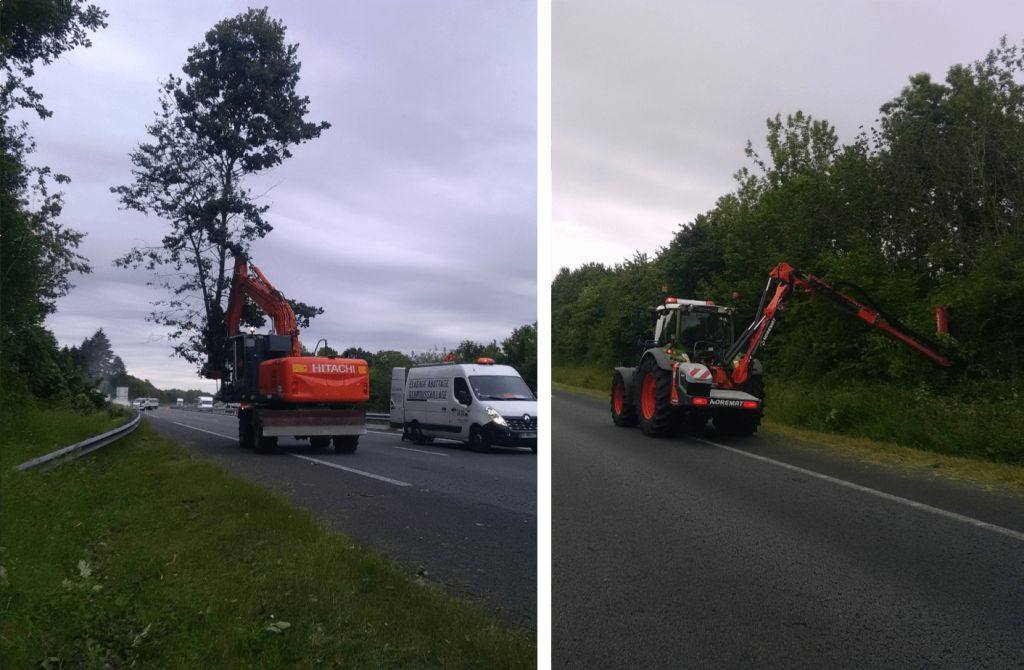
x,y
687,553
468,519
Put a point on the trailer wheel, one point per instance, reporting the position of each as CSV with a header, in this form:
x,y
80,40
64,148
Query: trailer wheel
x,y
477,440
655,398
623,409
346,444
246,436
320,441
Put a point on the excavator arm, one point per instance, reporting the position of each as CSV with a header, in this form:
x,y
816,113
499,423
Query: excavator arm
x,y
269,299
783,279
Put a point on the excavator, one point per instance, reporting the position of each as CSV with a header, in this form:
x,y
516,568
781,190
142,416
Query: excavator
x,y
694,370
279,391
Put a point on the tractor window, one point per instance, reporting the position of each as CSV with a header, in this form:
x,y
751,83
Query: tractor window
x,y
667,334
702,326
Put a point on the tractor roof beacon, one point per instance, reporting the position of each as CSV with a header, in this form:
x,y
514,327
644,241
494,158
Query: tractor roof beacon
x,y
695,369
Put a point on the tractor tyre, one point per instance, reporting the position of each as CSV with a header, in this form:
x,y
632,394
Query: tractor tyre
x,y
623,409
346,444
246,434
656,411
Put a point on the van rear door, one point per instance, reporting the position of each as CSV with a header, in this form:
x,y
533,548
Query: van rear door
x,y
397,397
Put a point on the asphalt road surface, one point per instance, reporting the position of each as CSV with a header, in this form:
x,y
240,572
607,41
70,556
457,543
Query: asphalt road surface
x,y
468,519
702,553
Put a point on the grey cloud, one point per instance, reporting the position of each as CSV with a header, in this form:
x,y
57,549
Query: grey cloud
x,y
654,102
412,221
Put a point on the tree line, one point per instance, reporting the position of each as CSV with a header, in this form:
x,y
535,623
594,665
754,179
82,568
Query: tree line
x,y
923,209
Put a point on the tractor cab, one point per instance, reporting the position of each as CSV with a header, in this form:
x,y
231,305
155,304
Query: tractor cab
x,y
694,331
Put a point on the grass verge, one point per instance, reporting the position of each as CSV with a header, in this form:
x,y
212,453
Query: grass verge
x,y
140,556
982,442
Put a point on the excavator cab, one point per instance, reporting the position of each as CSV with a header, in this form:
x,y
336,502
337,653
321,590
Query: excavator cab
x,y
247,352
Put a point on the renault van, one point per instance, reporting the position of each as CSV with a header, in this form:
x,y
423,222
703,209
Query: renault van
x,y
481,404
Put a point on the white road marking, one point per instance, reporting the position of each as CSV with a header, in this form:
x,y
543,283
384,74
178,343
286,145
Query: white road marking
x,y
875,492
203,430
383,432
352,470
422,451
382,478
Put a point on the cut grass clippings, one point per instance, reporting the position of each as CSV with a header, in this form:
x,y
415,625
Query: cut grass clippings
x,y
979,442
141,556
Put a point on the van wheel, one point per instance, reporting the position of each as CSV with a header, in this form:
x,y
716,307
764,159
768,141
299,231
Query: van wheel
x,y
477,440
416,434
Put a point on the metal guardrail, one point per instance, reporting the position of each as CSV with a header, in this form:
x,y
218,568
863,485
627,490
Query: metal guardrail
x,y
82,448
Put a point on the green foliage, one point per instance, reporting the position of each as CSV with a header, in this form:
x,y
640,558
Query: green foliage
x,y
381,365
38,254
520,351
921,211
34,31
235,113
140,556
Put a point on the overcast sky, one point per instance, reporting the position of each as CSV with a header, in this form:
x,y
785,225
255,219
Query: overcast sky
x,y
412,221
653,102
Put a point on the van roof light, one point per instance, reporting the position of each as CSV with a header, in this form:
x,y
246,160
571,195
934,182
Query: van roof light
x,y
483,360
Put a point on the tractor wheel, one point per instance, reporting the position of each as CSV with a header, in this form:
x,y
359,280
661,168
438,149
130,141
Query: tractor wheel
x,y
623,409
246,436
346,444
655,398
477,440
320,441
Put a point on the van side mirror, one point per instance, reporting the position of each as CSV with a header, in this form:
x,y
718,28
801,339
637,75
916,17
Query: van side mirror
x,y
463,397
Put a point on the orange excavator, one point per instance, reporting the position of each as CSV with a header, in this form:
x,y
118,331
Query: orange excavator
x,y
280,392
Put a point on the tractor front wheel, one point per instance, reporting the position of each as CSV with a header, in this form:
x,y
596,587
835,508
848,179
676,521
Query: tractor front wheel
x,y
655,398
623,409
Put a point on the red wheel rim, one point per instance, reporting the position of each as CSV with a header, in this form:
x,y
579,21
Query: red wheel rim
x,y
617,399
649,395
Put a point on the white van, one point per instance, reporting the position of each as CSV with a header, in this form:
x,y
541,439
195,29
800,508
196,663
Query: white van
x,y
204,402
481,404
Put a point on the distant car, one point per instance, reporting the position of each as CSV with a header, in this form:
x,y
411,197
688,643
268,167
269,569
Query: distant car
x,y
138,403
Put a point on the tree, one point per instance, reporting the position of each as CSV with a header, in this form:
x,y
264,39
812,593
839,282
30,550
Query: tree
x,y
520,351
235,113
38,254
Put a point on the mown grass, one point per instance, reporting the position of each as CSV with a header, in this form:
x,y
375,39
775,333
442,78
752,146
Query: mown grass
x,y
140,556
882,423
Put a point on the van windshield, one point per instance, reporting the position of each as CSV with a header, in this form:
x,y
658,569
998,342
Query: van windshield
x,y
492,387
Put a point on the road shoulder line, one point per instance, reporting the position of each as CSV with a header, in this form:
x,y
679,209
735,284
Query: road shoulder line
x,y
1008,532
